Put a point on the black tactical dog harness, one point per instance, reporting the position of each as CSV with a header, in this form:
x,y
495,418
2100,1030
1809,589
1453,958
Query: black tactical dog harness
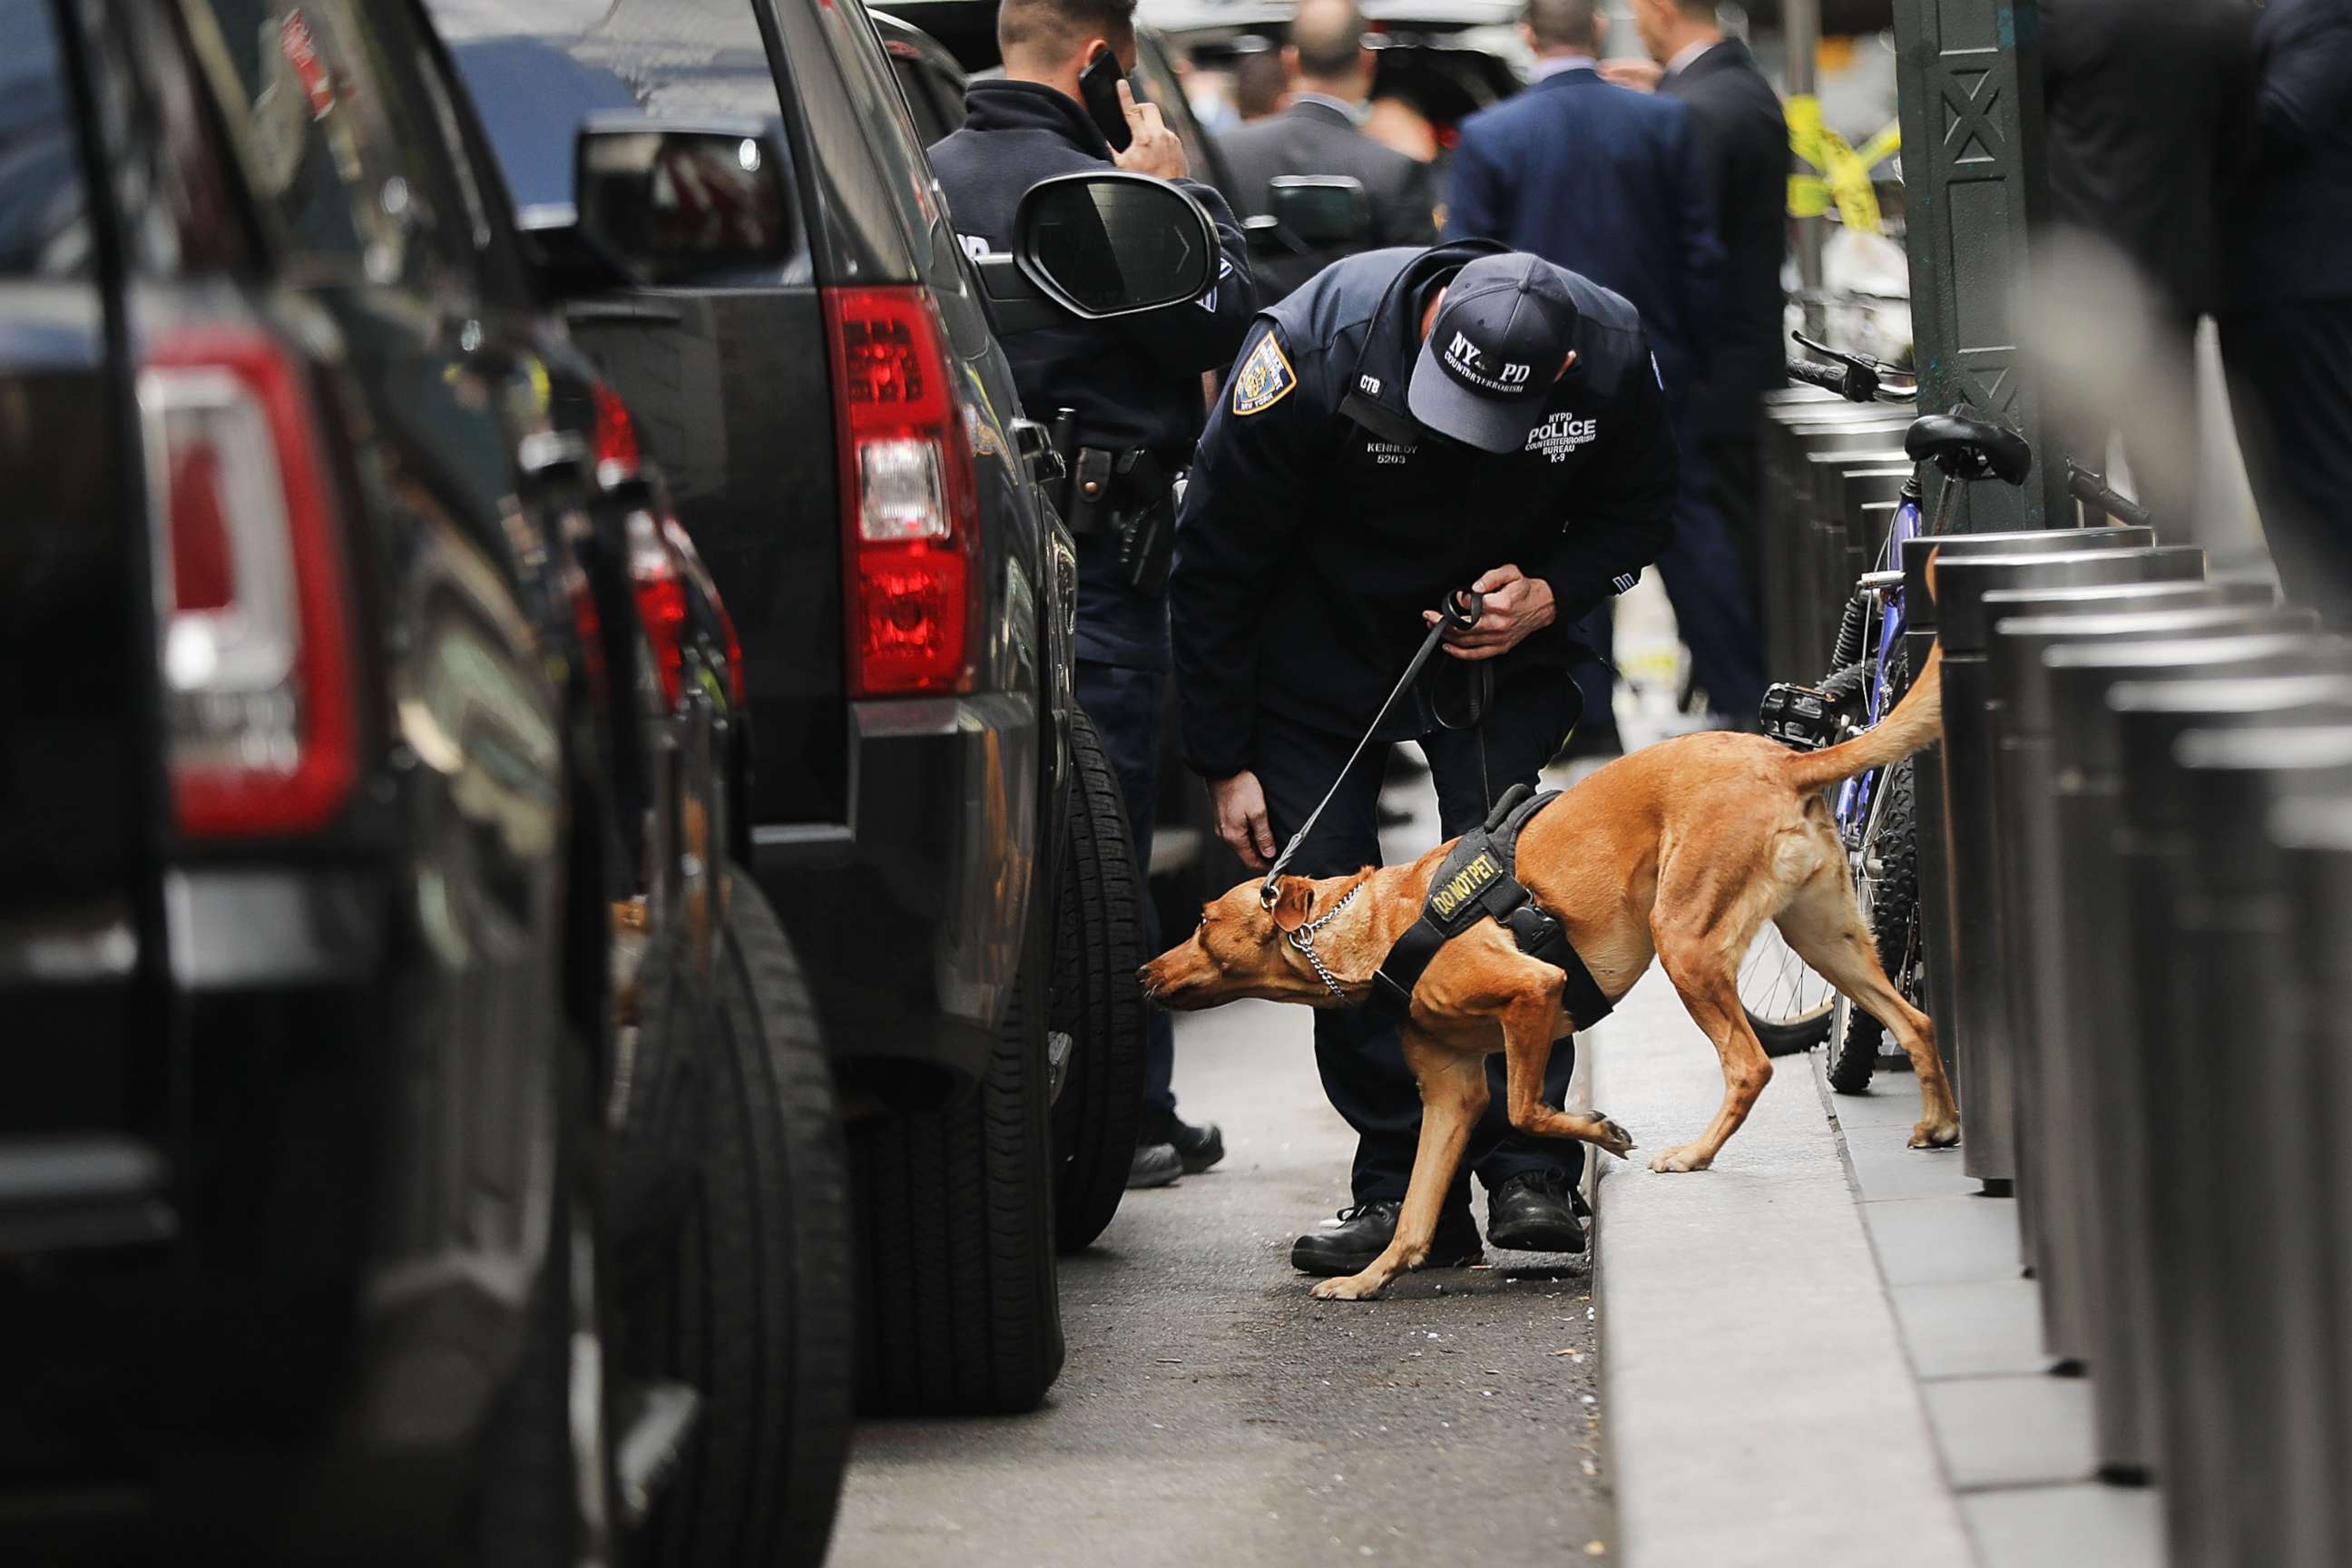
x,y
1473,884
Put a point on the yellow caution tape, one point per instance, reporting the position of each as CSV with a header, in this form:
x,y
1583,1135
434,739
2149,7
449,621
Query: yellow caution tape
x,y
1842,173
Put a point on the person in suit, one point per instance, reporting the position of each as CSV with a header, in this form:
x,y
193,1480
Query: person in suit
x,y
2286,317
1611,184
1321,132
1744,140
2149,188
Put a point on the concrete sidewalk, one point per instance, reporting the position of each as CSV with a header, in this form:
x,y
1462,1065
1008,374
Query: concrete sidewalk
x,y
1821,1352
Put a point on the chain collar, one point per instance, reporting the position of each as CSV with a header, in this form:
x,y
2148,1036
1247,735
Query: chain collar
x,y
1303,938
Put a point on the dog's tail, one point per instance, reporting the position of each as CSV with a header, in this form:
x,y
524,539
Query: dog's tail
x,y
1918,721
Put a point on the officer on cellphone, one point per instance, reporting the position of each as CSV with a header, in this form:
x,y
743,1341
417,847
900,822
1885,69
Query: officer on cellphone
x,y
1408,424
1123,396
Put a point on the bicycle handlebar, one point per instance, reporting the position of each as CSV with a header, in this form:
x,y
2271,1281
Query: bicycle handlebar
x,y
1854,377
1828,378
2093,490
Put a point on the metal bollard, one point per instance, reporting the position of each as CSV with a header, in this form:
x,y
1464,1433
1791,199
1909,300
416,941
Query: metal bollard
x,y
2203,1454
2024,849
2274,1337
2316,839
1986,1057
1928,775
1793,429
2089,1010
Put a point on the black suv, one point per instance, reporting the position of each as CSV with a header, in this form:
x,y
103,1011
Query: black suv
x,y
416,1145
813,358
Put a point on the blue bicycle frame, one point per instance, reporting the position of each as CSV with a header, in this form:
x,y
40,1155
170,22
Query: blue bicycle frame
x,y
1856,795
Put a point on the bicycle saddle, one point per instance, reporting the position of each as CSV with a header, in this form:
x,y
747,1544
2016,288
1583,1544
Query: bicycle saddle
x,y
1967,446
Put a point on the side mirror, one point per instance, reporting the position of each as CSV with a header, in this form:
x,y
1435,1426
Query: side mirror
x,y
1321,211
1096,246
1113,244
673,200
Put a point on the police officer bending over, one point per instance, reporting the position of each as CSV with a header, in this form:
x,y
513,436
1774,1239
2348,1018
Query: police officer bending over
x,y
1133,387
1408,424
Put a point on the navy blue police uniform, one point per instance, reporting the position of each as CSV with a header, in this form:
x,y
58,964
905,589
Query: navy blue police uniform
x,y
1134,384
1323,517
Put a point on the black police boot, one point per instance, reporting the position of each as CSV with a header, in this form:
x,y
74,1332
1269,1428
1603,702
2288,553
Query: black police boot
x,y
1537,1211
1199,1147
1156,1165
1364,1233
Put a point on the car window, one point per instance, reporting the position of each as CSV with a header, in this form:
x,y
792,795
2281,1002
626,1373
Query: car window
x,y
315,107
935,101
882,107
44,216
536,69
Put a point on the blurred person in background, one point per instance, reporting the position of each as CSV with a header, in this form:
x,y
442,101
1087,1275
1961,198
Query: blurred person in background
x,y
1611,184
1260,83
2148,186
1320,132
2287,315
1134,383
1744,140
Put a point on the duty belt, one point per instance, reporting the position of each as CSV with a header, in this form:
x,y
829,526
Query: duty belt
x,y
1474,883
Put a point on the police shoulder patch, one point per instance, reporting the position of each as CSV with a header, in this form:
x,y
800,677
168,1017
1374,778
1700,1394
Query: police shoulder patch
x,y
1265,377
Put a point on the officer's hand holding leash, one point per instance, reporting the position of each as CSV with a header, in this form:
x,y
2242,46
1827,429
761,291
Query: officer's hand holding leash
x,y
1515,605
1239,800
1155,150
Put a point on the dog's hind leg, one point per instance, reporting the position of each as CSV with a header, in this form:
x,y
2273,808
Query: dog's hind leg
x,y
1702,930
1824,925
1453,1097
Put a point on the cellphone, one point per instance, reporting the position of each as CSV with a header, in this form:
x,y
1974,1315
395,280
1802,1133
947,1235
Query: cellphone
x,y
1098,86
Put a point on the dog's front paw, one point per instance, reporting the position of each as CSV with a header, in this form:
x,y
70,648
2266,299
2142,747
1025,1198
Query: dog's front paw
x,y
1674,1162
1936,1134
1613,1139
1354,1288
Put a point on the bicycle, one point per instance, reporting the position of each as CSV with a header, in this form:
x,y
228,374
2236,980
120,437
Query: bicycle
x,y
1790,1008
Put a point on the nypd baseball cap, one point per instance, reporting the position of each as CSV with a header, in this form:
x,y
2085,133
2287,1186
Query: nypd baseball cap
x,y
1500,340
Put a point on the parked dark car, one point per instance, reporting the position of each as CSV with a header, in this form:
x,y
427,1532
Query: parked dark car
x,y
936,47
812,356
418,1147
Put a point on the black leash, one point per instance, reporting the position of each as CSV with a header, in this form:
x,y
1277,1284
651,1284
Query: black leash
x,y
1460,611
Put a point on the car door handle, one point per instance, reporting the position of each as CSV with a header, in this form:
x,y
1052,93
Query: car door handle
x,y
1036,446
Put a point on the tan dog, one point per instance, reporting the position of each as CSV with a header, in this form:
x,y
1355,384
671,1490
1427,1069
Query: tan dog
x,y
1682,850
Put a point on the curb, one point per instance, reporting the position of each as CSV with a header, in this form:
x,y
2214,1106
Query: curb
x,y
1758,1410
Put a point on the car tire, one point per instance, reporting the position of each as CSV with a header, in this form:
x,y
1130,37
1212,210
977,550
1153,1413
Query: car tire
x,y
961,1313
759,1318
1095,1001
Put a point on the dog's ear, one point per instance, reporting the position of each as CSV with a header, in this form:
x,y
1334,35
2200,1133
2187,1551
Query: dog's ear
x,y
1294,900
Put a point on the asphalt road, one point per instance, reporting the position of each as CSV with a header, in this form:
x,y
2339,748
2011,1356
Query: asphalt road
x,y
1210,1412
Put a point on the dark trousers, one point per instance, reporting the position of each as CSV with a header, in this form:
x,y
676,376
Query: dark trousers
x,y
1735,476
1361,1062
2291,387
1124,702
1714,610
1716,601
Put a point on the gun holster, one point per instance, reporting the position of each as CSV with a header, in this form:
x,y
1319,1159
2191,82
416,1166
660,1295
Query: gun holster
x,y
1128,499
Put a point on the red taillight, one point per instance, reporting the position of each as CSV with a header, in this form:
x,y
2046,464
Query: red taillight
x,y
689,560
617,457
256,652
661,600
909,507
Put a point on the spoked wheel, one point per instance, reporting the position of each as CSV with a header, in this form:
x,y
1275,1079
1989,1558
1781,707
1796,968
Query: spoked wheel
x,y
1788,1004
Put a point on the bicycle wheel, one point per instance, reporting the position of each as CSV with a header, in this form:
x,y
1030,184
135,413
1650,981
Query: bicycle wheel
x,y
1788,1004
1888,884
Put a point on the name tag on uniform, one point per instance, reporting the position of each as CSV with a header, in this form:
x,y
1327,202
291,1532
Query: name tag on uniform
x,y
1265,378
